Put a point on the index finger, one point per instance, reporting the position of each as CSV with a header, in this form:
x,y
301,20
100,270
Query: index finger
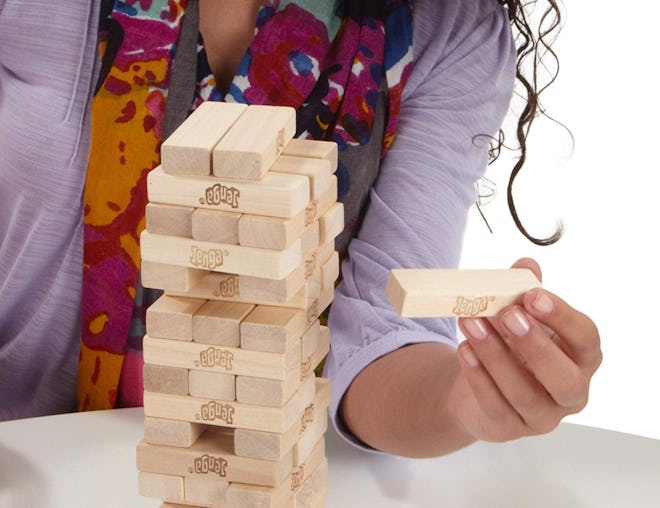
x,y
577,333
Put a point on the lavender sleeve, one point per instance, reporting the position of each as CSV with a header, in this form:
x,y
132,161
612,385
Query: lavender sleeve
x,y
460,87
47,71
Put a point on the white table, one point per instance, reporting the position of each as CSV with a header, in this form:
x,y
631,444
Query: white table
x,y
88,460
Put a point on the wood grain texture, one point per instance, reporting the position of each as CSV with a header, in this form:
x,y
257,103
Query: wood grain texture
x,y
166,432
164,379
314,149
456,293
171,317
317,170
211,385
214,226
253,143
331,223
173,277
172,220
219,323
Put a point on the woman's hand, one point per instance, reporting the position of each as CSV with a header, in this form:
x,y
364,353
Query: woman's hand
x,y
525,369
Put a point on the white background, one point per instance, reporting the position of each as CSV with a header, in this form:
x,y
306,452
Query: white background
x,y
606,192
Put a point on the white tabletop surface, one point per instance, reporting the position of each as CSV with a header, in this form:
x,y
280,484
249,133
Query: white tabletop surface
x,y
88,460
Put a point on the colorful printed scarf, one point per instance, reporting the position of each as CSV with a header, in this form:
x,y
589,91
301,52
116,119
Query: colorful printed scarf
x,y
326,59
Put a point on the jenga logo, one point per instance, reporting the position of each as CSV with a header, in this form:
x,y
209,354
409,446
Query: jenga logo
x,y
221,194
312,312
209,259
214,410
305,368
306,418
208,464
467,307
297,478
310,265
214,357
228,287
310,212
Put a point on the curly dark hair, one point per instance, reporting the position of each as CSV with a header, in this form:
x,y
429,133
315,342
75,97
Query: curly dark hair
x,y
534,47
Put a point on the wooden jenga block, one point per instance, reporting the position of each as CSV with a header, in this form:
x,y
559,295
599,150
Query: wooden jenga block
x,y
220,257
162,379
450,293
209,492
218,322
277,233
215,226
309,240
160,431
330,271
272,445
276,393
317,170
188,149
175,278
195,356
272,329
249,496
161,486
313,149
170,317
276,194
332,223
253,143
212,457
212,385
313,491
169,219
314,432
310,339
230,414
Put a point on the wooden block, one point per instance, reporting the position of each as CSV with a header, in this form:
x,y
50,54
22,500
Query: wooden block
x,y
317,170
272,329
276,393
160,486
160,431
228,360
188,149
310,340
210,492
220,257
309,241
332,223
231,414
162,379
276,194
313,149
170,317
253,143
249,496
162,276
273,446
212,385
313,491
278,233
169,219
218,323
449,293
330,271
215,226
212,457
314,432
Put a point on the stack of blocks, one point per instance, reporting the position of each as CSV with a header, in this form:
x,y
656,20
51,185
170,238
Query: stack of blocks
x,y
241,223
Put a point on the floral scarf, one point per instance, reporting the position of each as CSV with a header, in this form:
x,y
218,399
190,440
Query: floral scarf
x,y
325,58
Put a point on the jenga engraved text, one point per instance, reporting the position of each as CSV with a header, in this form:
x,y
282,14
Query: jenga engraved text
x,y
221,194
297,478
310,213
215,357
210,259
307,417
467,307
228,287
313,312
310,265
214,410
305,368
206,464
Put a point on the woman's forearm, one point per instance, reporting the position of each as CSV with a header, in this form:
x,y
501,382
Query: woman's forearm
x,y
398,404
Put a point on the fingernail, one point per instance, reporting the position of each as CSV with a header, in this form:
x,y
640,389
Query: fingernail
x,y
469,357
516,323
475,328
543,303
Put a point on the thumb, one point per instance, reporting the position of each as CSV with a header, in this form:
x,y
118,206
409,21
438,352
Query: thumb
x,y
530,264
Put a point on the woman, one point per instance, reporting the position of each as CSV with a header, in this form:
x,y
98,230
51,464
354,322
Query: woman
x,y
424,90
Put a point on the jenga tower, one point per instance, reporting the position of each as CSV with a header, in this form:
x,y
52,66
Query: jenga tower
x,y
240,235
